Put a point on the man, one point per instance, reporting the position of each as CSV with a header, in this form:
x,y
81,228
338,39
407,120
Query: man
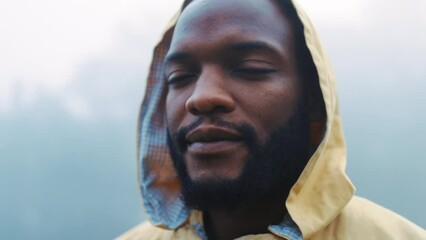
x,y
240,133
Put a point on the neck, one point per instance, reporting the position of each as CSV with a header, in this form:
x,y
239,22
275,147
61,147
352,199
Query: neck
x,y
249,218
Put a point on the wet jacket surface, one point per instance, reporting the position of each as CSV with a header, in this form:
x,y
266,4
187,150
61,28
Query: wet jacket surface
x,y
320,205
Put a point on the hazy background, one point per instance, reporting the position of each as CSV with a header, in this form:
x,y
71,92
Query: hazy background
x,y
72,76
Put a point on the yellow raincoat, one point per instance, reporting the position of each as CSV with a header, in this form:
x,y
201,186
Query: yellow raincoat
x,y
321,204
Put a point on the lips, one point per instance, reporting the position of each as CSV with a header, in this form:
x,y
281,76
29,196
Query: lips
x,y
209,140
212,134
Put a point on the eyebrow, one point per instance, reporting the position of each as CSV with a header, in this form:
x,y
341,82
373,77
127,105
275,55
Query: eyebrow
x,y
234,47
252,46
176,57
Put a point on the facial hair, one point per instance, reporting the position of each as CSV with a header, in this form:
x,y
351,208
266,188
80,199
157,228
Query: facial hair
x,y
271,168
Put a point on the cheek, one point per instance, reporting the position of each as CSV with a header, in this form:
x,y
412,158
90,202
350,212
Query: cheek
x,y
175,110
270,107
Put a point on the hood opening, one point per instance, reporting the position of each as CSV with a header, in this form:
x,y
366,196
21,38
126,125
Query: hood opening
x,y
322,190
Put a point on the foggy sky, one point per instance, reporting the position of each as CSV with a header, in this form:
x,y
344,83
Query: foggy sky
x,y
75,71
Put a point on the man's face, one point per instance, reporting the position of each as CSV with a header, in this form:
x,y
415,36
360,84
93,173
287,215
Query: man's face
x,y
233,93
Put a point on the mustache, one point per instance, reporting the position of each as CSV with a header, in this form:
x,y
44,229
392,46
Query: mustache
x,y
245,130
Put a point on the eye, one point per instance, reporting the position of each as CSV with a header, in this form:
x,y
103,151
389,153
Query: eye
x,y
178,79
254,68
253,72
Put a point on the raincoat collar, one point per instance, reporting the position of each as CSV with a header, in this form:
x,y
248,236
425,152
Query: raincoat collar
x,y
287,228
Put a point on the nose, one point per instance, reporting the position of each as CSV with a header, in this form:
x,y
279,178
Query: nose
x,y
211,94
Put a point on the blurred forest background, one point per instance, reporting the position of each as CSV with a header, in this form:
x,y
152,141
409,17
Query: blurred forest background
x,y
72,76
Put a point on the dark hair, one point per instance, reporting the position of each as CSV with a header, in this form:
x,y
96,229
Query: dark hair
x,y
305,64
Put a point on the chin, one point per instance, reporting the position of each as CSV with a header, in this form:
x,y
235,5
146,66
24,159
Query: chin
x,y
215,168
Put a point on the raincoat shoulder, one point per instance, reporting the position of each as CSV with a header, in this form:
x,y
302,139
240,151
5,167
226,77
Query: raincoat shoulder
x,y
363,219
147,231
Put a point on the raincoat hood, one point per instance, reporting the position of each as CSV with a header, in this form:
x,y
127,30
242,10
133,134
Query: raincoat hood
x,y
316,199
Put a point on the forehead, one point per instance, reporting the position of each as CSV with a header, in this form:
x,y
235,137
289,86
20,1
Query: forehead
x,y
208,21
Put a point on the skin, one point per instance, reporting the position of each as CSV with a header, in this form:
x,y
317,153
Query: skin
x,y
235,61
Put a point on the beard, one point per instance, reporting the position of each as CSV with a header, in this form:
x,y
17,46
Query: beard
x,y
270,170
